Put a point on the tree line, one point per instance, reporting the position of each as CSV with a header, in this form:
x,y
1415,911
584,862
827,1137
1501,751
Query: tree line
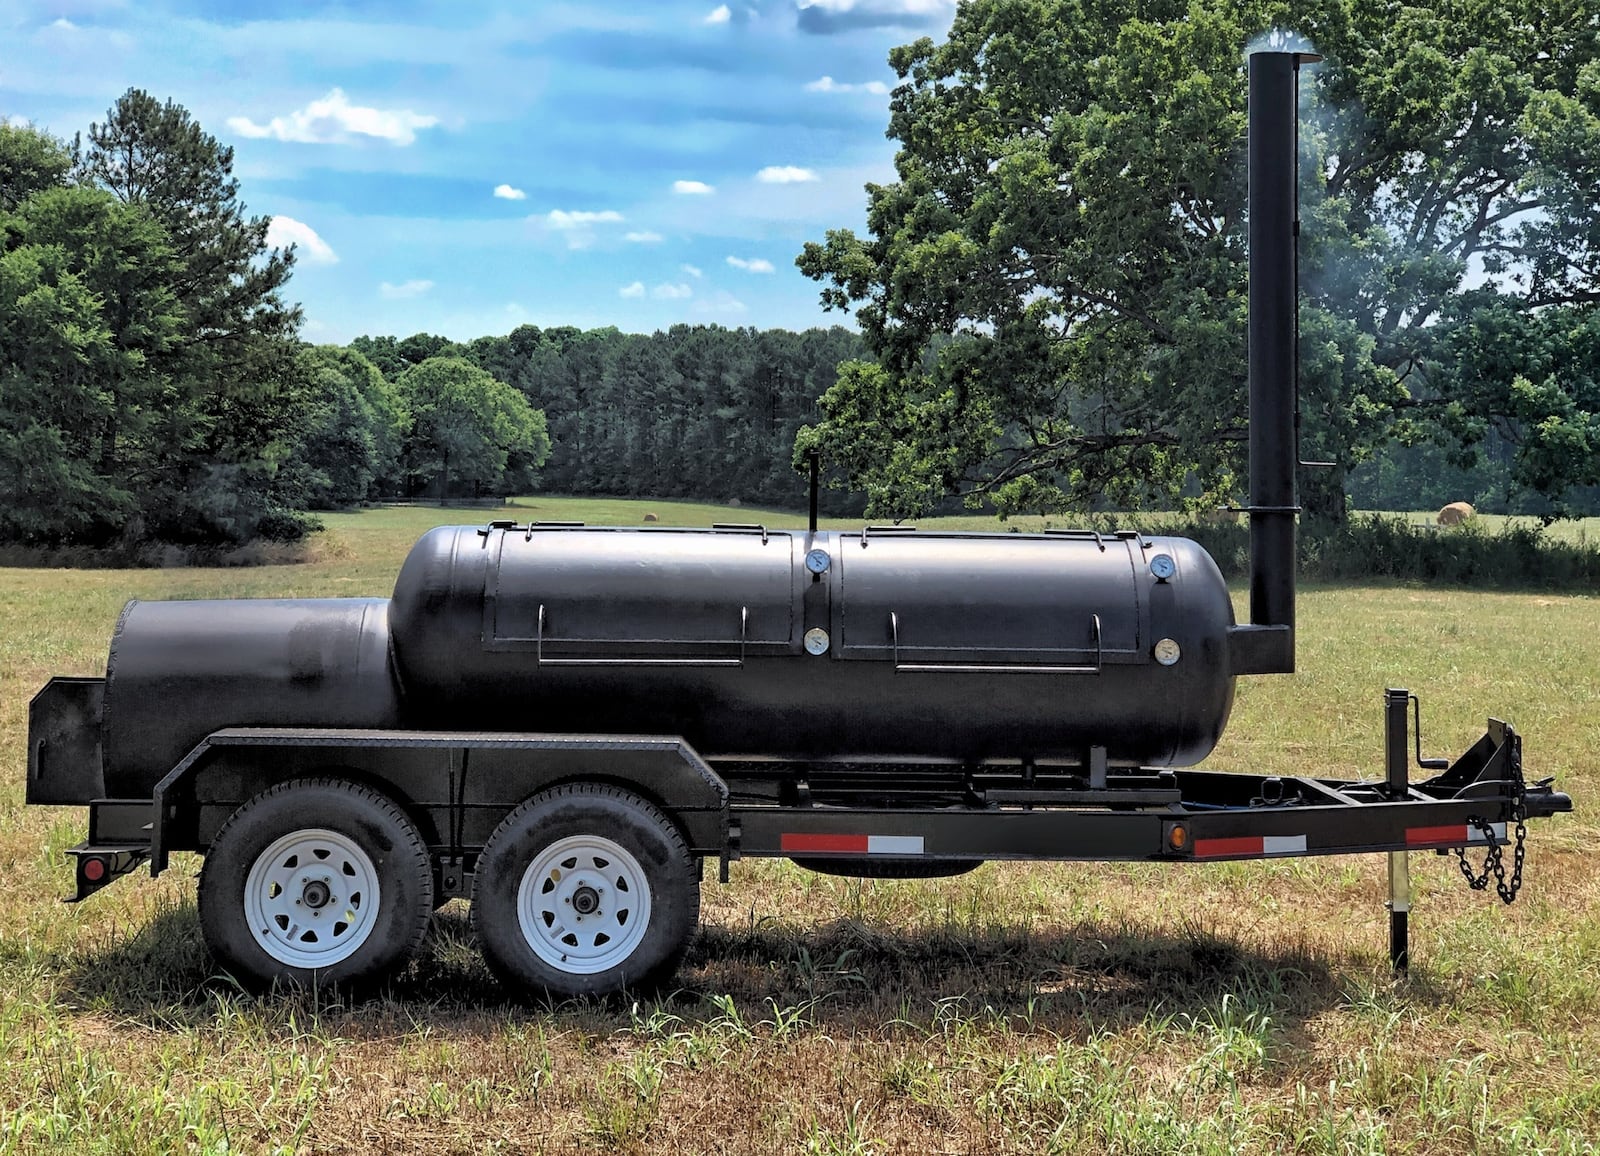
x,y
691,411
153,386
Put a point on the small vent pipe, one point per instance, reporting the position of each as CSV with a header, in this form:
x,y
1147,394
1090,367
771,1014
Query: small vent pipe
x,y
1266,645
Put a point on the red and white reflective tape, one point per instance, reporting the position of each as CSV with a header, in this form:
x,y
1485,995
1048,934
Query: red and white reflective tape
x,y
854,844
1253,846
1456,835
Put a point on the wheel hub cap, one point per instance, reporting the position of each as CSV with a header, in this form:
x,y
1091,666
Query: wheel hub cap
x,y
583,904
312,898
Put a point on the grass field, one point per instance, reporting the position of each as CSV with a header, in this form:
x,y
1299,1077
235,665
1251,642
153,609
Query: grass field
x,y
1048,1008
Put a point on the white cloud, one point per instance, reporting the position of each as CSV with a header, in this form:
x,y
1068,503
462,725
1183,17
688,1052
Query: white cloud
x,y
16,121
507,193
334,120
785,175
578,225
581,218
719,15
634,290
753,265
65,25
902,7
643,237
722,302
845,15
400,292
671,292
692,188
692,270
745,215
286,231
829,84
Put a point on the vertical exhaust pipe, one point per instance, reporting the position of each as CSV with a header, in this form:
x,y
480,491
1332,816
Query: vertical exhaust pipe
x,y
1266,646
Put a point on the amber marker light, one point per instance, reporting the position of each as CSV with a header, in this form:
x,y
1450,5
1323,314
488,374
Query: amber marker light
x,y
1177,836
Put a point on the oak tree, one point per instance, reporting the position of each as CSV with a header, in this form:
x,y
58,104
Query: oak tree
x,y
1053,286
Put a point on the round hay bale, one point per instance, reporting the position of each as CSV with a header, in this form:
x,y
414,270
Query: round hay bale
x,y
735,503
651,518
1456,513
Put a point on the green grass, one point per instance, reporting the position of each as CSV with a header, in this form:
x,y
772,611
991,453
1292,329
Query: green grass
x,y
1023,1008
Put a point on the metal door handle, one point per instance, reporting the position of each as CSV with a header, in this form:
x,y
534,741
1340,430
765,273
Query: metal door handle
x,y
744,632
995,668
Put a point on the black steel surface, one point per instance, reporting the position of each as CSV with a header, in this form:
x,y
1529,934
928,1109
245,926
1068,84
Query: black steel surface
x,y
1399,941
1325,817
118,821
64,758
1396,758
181,670
457,785
1273,332
459,802
478,615
1108,836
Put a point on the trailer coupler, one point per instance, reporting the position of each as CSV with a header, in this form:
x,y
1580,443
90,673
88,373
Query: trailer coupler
x,y
1540,801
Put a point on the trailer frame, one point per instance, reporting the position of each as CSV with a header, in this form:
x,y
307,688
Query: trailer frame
x,y
931,820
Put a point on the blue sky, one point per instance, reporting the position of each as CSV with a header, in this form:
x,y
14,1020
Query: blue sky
x,y
467,168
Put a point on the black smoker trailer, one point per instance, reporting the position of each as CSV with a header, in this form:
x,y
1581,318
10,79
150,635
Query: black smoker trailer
x,y
561,723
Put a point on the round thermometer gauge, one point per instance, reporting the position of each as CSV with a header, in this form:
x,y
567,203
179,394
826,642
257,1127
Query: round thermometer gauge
x,y
1163,567
817,561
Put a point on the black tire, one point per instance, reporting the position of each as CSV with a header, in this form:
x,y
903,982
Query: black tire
x,y
530,847
305,818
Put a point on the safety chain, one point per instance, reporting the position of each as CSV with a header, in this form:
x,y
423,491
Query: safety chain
x,y
1493,865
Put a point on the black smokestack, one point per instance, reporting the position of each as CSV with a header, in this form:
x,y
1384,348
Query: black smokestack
x,y
1266,646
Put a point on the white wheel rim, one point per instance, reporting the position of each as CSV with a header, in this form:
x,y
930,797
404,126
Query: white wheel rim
x,y
584,904
311,898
